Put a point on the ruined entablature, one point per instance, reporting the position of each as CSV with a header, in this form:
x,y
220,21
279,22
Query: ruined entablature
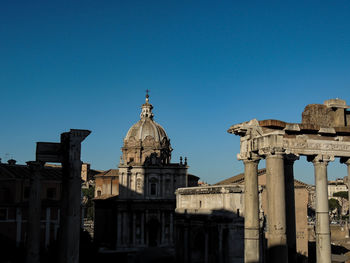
x,y
325,130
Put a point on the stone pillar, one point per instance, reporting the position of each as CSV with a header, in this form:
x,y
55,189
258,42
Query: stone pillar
x,y
171,229
251,210
47,226
134,229
71,195
119,229
206,247
185,244
277,240
220,229
163,228
142,228
18,226
323,237
290,205
347,162
34,212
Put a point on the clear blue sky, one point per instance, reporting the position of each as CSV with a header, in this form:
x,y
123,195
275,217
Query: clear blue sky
x,y
208,64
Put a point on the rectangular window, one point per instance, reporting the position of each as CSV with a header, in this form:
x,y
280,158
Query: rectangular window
x,y
153,189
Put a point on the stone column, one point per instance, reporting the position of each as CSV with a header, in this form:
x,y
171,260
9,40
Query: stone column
x,y
277,240
251,210
47,226
34,212
290,205
323,237
162,241
171,229
134,229
206,247
347,162
71,195
18,226
119,229
142,228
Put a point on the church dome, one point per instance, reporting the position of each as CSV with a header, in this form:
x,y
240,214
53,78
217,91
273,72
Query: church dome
x,y
146,127
146,141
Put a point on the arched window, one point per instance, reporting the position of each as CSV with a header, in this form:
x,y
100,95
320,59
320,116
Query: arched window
x,y
99,192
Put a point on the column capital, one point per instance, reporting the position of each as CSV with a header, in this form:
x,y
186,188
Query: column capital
x,y
272,152
320,159
249,157
290,158
345,160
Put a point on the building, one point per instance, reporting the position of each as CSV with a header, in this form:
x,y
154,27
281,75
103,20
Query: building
x,y
134,204
210,224
336,186
217,213
14,195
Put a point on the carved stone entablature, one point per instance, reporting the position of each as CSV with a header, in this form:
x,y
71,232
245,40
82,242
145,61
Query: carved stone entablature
x,y
267,151
303,146
249,129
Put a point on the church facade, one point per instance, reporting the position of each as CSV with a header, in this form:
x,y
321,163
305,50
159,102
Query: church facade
x,y
135,204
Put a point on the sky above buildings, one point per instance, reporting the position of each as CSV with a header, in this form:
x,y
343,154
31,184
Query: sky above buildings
x,y
207,64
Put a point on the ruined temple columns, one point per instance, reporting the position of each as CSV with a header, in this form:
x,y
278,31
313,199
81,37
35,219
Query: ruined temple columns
x,y
289,160
251,208
277,240
323,237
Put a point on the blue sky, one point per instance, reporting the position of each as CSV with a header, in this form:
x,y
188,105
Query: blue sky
x,y
208,65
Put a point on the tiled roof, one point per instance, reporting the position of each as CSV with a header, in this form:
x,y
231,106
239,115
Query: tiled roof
x,y
110,172
17,171
240,179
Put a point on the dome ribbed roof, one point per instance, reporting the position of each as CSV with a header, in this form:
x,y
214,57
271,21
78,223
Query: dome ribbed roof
x,y
146,126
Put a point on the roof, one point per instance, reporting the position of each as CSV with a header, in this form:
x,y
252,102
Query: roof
x,y
110,172
17,171
193,177
239,179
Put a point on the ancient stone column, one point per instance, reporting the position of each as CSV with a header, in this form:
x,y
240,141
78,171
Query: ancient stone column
x,y
71,195
290,205
276,215
34,213
251,210
323,237
347,162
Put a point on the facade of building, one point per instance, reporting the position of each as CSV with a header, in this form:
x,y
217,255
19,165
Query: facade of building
x,y
134,205
336,186
210,224
14,197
